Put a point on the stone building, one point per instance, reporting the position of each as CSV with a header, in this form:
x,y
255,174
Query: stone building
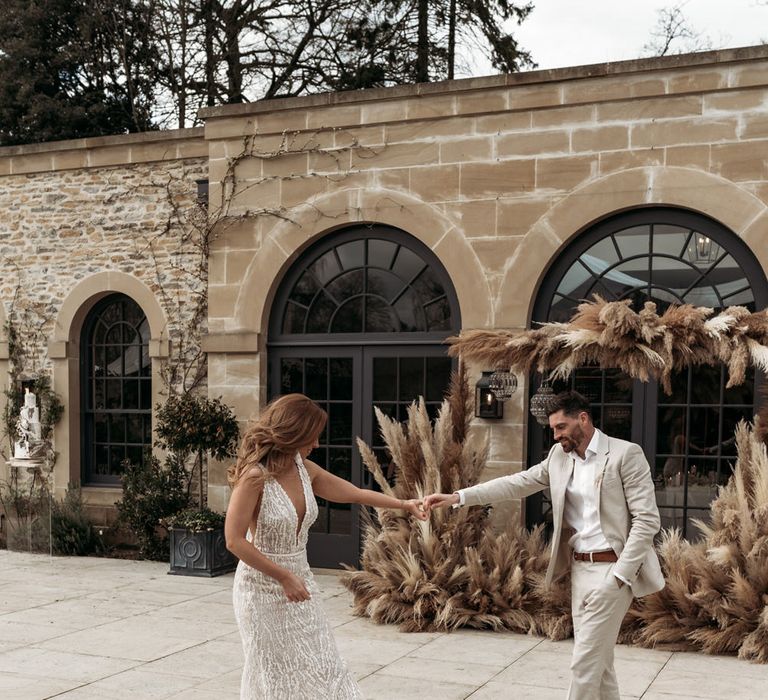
x,y
355,231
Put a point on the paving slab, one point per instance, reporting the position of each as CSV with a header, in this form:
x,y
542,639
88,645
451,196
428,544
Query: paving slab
x,y
106,629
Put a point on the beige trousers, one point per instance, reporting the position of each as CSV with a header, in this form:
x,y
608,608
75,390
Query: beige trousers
x,y
598,606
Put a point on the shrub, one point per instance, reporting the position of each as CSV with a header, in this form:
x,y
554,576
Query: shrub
x,y
71,531
196,519
151,493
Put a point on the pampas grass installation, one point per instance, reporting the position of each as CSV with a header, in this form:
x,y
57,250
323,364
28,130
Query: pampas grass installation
x,y
716,598
642,344
453,570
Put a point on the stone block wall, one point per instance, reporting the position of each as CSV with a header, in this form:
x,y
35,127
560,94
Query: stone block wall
x,y
495,175
81,219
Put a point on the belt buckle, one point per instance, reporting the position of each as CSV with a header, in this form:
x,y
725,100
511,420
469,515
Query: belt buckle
x,y
591,560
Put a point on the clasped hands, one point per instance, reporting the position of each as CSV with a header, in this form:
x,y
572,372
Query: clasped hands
x,y
420,507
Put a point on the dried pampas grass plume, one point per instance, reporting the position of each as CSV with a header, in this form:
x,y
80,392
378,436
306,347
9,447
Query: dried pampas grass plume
x,y
454,570
642,344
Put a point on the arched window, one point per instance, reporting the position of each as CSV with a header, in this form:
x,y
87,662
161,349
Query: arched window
x,y
116,389
670,256
359,321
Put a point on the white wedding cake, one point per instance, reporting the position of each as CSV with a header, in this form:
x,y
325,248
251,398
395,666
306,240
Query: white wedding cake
x,y
28,430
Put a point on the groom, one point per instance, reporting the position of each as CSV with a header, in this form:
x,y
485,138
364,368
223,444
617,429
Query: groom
x,y
605,518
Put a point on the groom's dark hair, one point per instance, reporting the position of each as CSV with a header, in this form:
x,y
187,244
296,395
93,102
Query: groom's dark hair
x,y
571,403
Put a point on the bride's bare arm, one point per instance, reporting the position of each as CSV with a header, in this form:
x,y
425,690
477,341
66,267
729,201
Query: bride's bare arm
x,y
243,509
333,488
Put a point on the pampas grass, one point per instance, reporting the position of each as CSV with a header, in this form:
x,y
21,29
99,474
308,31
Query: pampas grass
x,y
642,344
716,597
453,570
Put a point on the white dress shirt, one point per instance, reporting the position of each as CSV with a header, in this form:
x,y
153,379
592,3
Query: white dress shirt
x,y
580,510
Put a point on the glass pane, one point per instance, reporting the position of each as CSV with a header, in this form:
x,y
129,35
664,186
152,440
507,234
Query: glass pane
x,y
634,241
703,295
99,357
116,457
407,264
291,375
293,320
731,418
114,335
131,394
135,455
669,240
352,254
380,317
101,460
618,386
99,332
114,360
410,313
117,428
341,378
325,268
132,314
702,478
340,424
439,315
316,378
100,427
411,378
381,253
671,438
134,429
704,428
146,394
147,430
304,290
319,318
99,394
113,397
438,377
617,421
630,274
576,281
428,286
347,285
349,318
601,255
705,384
340,462
384,284
679,393
588,382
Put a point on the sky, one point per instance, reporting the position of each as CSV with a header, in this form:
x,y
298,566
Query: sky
x,y
562,33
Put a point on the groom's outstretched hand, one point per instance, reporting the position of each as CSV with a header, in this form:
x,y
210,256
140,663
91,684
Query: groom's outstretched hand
x,y
440,500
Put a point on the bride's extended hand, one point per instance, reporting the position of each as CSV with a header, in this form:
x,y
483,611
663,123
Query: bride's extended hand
x,y
415,507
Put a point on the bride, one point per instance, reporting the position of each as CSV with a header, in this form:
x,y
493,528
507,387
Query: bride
x,y
290,653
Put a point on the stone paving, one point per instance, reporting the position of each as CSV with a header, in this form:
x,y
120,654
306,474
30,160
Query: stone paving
x,y
109,629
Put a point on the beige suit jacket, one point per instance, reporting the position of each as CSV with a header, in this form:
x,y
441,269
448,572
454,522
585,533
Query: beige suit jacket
x,y
626,502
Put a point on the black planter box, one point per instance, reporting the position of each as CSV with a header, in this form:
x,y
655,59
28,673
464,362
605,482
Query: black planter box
x,y
200,553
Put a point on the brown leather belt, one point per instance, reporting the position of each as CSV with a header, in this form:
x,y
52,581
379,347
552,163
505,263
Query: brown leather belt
x,y
607,555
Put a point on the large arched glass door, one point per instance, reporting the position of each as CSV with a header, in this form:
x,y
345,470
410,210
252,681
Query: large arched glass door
x,y
670,256
360,322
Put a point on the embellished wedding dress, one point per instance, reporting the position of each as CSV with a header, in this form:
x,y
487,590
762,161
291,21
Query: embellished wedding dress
x,y
290,653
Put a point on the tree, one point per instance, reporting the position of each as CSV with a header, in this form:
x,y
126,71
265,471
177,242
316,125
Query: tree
x,y
674,33
404,41
74,68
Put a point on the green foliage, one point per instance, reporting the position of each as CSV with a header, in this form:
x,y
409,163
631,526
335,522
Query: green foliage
x,y
27,510
71,531
151,493
187,424
196,519
51,406
75,68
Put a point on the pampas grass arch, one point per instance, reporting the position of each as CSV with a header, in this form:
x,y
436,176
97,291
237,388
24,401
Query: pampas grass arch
x,y
456,571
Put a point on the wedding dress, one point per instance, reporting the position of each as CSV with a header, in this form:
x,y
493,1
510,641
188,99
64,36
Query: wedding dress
x,y
290,653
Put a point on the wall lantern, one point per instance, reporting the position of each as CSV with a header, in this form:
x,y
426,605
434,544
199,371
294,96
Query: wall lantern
x,y
491,390
541,403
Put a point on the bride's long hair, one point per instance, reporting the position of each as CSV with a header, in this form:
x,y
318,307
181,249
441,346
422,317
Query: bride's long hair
x,y
286,424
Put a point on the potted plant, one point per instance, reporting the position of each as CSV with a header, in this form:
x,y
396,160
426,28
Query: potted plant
x,y
193,428
197,543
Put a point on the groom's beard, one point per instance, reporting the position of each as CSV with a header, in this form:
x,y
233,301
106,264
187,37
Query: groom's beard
x,y
570,442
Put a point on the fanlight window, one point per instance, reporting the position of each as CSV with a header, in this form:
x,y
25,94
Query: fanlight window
x,y
367,285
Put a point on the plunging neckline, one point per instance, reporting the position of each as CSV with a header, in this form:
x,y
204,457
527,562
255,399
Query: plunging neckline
x,y
299,523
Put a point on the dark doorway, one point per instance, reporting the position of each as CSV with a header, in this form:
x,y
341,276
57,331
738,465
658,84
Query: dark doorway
x,y
360,321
